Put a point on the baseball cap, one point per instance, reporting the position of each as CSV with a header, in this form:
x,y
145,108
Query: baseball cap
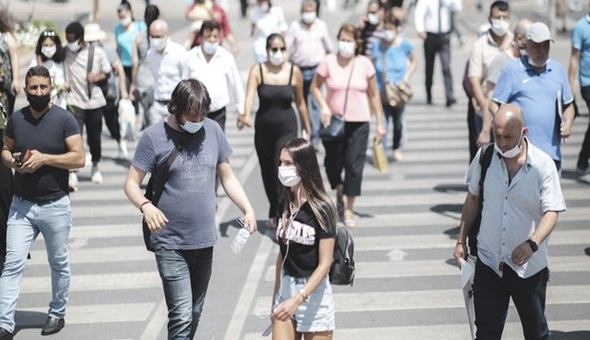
x,y
538,32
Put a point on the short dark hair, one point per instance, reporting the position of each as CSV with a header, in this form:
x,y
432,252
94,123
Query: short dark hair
x,y
37,71
391,18
209,25
76,29
189,98
501,5
58,57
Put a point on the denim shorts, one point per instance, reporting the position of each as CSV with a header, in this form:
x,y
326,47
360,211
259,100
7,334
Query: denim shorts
x,y
317,313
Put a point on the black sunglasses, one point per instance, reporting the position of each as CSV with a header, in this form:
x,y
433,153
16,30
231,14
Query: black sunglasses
x,y
276,49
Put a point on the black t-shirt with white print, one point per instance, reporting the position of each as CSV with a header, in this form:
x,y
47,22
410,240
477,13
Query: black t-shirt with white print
x,y
304,242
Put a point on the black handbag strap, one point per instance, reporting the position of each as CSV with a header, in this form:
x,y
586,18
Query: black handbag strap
x,y
158,186
348,87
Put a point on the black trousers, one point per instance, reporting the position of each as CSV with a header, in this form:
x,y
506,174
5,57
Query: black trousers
x,y
219,117
111,118
441,44
6,192
93,121
349,155
473,134
585,151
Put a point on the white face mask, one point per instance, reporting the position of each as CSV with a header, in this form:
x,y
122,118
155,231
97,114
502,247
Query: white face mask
x,y
346,49
308,17
288,175
277,58
125,21
373,19
48,51
74,46
191,127
533,63
389,35
515,151
159,44
210,47
500,27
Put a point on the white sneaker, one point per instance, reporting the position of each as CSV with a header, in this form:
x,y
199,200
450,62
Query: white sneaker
x,y
73,181
95,175
88,159
123,154
397,155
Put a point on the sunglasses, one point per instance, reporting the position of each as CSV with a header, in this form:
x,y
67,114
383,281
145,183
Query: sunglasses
x,y
276,49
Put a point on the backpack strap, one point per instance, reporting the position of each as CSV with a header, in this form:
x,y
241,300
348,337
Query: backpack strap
x,y
485,159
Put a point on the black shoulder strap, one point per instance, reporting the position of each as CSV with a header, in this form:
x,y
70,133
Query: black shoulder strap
x,y
291,74
485,159
261,76
164,172
89,66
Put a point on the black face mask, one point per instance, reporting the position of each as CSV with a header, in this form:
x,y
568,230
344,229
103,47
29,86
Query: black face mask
x,y
38,103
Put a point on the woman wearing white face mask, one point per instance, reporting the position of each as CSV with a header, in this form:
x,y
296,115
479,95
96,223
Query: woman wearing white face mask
x,y
125,33
370,24
49,53
395,62
278,83
302,295
266,19
352,87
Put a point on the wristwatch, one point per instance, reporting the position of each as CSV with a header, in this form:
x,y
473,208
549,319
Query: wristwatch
x,y
533,245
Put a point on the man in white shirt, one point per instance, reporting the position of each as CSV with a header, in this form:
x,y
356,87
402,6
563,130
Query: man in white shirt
x,y
215,67
167,61
522,199
308,42
433,24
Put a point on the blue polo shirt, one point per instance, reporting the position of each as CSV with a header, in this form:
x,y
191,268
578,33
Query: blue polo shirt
x,y
581,42
536,94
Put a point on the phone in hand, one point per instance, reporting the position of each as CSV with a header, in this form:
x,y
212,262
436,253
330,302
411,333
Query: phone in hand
x,y
24,156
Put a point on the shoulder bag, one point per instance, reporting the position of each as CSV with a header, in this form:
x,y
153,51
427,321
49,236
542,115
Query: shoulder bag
x,y
334,132
155,187
393,95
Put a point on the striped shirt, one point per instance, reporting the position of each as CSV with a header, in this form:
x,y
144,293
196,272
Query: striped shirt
x,y
308,45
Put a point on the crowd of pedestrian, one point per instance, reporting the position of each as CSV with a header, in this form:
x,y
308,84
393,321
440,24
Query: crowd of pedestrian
x,y
518,99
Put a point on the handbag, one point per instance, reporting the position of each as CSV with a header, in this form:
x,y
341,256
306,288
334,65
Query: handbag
x,y
394,95
379,159
334,131
155,187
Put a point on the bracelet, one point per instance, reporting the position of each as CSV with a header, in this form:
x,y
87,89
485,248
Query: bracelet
x,y
142,204
305,295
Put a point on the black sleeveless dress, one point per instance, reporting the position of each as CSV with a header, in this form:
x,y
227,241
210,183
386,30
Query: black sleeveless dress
x,y
275,124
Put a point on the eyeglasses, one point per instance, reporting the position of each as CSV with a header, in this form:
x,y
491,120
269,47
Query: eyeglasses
x,y
48,33
276,49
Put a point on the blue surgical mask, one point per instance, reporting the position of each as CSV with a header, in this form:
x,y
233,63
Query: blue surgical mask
x,y
191,127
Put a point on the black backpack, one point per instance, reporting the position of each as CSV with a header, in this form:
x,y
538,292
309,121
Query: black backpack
x,y
485,159
342,269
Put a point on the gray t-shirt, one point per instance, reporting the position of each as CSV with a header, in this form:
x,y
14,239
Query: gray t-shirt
x,y
188,200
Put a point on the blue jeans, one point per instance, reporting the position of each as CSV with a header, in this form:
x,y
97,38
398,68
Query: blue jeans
x,y
492,296
185,276
26,219
313,109
397,119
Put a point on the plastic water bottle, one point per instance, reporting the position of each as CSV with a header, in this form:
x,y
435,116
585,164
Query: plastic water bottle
x,y
240,240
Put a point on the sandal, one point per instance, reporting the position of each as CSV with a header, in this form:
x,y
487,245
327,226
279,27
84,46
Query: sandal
x,y
349,221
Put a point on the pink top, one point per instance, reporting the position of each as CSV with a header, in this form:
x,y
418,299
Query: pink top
x,y
336,78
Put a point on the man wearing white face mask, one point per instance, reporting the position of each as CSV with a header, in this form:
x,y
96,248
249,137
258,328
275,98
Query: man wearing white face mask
x,y
216,68
523,199
539,86
488,46
167,62
308,42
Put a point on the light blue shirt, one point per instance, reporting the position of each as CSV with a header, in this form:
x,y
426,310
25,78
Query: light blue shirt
x,y
536,94
581,42
397,59
513,209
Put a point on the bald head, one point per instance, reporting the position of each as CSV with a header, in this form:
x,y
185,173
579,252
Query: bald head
x,y
521,28
158,28
509,115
